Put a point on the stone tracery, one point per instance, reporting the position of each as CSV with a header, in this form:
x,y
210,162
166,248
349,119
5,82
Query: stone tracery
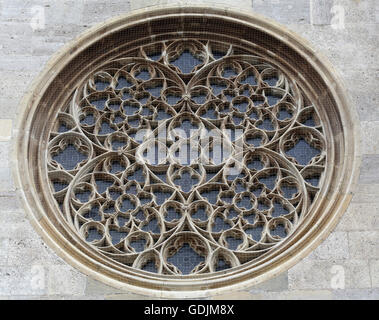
x,y
195,214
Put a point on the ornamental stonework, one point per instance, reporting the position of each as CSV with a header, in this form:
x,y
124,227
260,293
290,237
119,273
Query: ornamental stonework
x,y
184,151
186,157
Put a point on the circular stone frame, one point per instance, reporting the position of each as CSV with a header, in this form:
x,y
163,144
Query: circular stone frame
x,y
64,71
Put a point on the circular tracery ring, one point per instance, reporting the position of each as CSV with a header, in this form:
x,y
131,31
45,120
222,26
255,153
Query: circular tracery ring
x,y
171,161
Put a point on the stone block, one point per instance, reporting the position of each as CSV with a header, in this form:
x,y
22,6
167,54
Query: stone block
x,y
5,135
369,172
22,281
309,274
357,274
135,4
23,63
31,298
321,12
278,283
4,243
300,295
369,137
366,194
16,10
128,296
284,11
341,45
364,244
41,47
4,148
336,246
94,288
65,280
315,274
31,252
6,181
356,294
237,295
11,204
358,11
9,106
374,272
366,104
70,297
368,79
15,218
360,217
16,30
64,13
15,87
97,11
14,226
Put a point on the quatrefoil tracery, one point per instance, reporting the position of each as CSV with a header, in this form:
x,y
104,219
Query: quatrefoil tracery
x,y
238,155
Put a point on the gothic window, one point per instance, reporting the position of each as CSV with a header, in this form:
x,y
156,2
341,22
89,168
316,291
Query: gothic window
x,y
187,153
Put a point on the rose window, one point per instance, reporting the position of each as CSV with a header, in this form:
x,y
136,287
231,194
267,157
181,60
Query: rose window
x,y
186,156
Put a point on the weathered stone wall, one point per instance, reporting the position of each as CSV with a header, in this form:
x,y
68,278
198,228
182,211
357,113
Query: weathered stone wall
x,y
345,266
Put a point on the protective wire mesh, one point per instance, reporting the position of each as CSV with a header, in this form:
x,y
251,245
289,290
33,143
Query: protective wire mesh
x,y
192,161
